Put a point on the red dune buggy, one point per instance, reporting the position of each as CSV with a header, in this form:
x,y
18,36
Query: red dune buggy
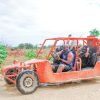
x,y
27,76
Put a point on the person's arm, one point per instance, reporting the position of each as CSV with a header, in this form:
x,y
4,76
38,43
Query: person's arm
x,y
60,52
69,59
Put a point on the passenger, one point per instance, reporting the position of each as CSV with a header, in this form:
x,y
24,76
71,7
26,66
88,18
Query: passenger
x,y
66,60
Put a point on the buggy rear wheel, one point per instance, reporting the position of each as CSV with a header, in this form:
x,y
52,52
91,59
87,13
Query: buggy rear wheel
x,y
94,59
27,82
10,72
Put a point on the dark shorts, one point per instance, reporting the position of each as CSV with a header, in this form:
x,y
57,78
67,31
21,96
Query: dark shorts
x,y
66,67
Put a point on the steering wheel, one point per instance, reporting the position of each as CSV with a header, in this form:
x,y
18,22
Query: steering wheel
x,y
55,55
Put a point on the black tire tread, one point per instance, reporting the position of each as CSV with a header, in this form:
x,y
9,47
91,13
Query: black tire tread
x,y
18,80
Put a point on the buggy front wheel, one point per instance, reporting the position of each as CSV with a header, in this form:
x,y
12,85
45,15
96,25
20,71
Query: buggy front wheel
x,y
27,82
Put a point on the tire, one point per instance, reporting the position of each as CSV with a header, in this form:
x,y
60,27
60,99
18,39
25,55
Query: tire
x,y
94,59
27,82
9,72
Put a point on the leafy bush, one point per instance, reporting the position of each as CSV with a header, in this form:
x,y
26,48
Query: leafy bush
x,y
31,54
3,53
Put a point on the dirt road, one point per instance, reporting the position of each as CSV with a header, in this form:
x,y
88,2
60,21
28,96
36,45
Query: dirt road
x,y
85,90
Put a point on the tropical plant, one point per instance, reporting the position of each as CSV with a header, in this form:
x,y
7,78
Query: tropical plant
x,y
95,32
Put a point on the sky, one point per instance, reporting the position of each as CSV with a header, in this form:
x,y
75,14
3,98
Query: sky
x,y
31,21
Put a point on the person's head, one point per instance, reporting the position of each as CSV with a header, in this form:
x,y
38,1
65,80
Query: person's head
x,y
69,35
66,47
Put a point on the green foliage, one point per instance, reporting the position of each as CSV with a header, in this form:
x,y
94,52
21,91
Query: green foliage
x,y
25,46
3,53
95,32
28,46
31,54
21,46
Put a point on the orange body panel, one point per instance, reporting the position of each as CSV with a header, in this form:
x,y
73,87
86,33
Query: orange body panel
x,y
47,75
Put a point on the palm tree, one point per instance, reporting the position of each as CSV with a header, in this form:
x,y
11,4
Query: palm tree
x,y
94,32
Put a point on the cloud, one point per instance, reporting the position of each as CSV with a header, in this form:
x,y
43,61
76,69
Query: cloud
x,y
34,20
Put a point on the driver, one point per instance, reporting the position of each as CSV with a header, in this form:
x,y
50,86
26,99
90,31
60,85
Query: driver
x,y
66,58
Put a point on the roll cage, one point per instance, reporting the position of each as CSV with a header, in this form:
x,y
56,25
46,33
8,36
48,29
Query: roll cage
x,y
89,40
